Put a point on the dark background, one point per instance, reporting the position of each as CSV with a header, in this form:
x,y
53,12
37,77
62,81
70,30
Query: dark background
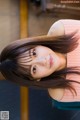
x,y
40,108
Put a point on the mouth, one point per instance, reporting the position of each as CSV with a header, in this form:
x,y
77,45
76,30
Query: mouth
x,y
51,61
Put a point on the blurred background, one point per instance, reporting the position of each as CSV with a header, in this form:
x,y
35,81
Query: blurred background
x,y
40,15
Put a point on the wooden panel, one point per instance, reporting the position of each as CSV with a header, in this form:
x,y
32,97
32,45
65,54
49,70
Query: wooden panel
x,y
1,77
23,34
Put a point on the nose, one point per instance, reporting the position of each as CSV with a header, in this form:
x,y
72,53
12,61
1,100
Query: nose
x,y
40,61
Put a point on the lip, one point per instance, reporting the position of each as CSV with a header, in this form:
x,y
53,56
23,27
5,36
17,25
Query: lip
x,y
51,61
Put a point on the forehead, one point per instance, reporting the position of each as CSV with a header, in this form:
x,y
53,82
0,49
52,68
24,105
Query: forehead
x,y
43,48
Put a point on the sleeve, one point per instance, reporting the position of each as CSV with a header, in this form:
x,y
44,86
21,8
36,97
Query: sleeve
x,y
70,25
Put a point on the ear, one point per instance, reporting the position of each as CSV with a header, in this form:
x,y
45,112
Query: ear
x,y
38,80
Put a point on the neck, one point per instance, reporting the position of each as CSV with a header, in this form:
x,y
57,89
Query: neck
x,y
63,61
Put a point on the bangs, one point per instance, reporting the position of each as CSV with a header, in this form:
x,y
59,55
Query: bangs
x,y
25,71
23,58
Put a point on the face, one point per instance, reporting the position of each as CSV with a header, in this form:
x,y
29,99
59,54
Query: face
x,y
43,62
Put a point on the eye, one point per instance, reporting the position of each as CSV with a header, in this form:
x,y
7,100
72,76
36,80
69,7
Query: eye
x,y
34,69
34,52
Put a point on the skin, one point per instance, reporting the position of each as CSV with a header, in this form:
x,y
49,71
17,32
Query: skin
x,y
40,62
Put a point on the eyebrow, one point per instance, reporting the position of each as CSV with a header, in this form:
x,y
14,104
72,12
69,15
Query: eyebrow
x,y
31,51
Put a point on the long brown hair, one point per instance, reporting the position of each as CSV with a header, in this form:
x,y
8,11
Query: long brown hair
x,y
13,71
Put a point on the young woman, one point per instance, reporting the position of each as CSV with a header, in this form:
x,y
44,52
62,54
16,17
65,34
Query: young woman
x,y
51,62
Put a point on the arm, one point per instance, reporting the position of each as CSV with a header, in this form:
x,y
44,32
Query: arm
x,y
57,29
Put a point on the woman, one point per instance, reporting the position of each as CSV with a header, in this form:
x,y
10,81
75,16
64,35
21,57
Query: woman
x,y
50,62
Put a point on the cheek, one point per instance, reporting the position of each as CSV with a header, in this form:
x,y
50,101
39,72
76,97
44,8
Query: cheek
x,y
43,72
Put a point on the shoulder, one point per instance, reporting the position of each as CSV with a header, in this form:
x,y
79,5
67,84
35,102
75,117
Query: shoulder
x,y
57,29
56,94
